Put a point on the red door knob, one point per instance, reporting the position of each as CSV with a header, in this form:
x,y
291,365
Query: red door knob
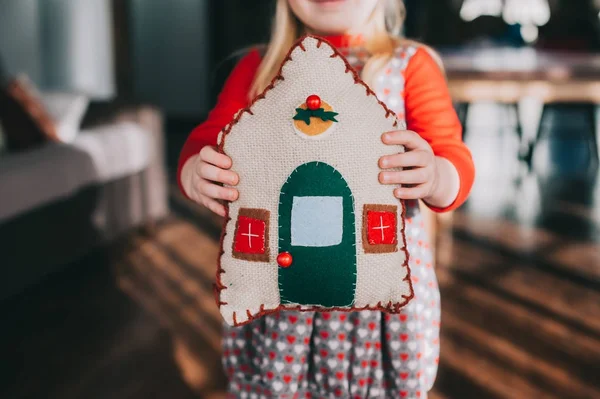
x,y
285,259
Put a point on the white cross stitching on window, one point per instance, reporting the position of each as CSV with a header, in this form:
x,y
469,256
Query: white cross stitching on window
x,y
250,235
381,227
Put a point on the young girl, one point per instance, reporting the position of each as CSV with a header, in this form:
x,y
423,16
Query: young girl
x,y
336,354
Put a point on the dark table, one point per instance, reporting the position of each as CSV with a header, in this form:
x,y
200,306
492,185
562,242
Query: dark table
x,y
508,75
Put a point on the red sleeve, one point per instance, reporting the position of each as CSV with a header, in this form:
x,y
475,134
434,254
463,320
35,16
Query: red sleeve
x,y
430,112
232,98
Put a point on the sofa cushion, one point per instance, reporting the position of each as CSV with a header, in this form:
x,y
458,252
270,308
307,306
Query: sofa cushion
x,y
67,111
53,171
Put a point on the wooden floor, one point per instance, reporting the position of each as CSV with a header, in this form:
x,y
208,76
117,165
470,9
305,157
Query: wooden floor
x,y
520,288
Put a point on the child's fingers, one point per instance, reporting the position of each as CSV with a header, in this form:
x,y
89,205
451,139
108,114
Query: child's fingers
x,y
215,191
213,205
212,156
207,202
414,176
214,173
407,138
405,160
409,193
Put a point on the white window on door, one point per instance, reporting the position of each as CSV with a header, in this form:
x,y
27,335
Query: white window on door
x,y
317,221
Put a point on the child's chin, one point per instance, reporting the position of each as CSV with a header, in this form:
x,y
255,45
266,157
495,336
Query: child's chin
x,y
331,25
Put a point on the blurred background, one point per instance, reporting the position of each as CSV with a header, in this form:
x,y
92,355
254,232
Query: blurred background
x,y
106,270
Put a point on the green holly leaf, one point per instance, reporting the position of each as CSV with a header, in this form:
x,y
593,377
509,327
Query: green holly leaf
x,y
303,115
325,115
329,116
317,113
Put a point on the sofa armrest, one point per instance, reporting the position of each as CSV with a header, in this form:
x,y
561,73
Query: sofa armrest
x,y
155,177
154,180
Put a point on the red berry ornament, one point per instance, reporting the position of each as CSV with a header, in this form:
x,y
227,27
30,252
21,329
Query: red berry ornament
x,y
313,102
284,259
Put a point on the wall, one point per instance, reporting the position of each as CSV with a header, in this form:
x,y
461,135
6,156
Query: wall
x,y
61,45
77,46
20,38
171,51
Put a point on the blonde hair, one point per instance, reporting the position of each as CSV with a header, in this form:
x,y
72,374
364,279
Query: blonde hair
x,y
383,36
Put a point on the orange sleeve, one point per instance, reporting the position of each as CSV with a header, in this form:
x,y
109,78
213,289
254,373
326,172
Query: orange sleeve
x,y
233,97
430,112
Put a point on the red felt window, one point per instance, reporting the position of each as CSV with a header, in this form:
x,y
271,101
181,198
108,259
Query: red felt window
x,y
380,226
251,240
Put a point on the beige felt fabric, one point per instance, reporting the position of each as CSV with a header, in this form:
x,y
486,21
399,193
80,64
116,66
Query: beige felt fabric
x,y
265,149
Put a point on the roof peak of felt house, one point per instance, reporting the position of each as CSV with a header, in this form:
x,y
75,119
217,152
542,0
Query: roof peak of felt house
x,y
313,229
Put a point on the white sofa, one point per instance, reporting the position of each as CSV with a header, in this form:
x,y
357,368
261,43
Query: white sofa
x,y
60,201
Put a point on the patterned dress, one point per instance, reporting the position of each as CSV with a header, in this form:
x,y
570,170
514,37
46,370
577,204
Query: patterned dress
x,y
347,355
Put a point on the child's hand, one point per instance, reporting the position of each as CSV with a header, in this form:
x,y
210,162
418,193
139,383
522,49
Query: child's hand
x,y
211,168
425,176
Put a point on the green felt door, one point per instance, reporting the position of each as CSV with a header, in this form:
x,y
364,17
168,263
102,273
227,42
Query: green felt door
x,y
317,227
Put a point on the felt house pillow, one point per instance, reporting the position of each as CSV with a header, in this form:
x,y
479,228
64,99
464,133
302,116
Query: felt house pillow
x,y
313,229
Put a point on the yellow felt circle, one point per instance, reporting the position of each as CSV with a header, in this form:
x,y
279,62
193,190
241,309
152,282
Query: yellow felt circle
x,y
317,125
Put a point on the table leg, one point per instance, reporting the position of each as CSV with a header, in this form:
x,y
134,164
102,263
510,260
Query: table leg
x,y
596,131
462,110
529,112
